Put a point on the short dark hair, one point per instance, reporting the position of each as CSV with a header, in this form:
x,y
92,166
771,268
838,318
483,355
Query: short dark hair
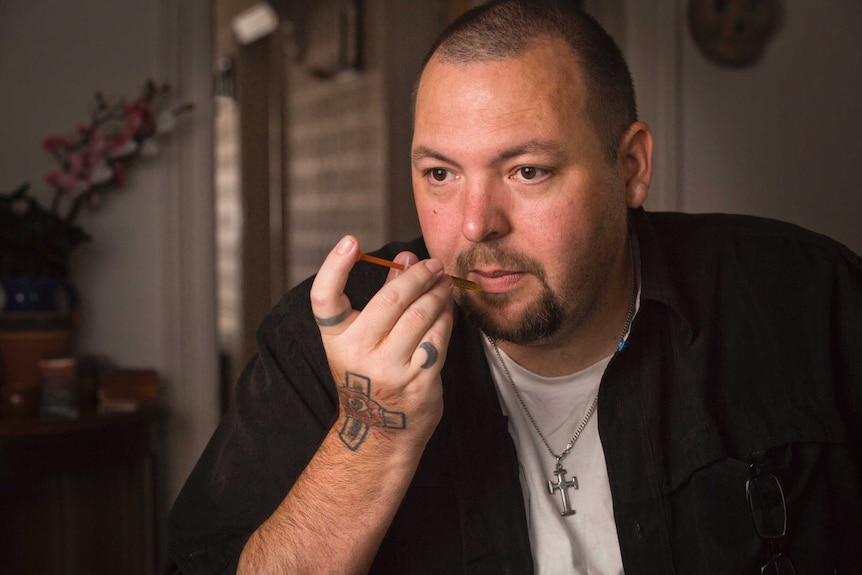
x,y
503,29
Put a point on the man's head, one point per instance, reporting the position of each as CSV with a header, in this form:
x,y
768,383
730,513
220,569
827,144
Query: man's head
x,y
503,29
526,155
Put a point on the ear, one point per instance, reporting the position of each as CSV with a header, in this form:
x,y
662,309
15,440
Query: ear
x,y
634,162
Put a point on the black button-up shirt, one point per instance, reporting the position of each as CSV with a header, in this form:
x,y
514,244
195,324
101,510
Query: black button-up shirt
x,y
748,339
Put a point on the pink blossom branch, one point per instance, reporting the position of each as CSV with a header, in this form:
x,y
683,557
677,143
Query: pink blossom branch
x,y
95,159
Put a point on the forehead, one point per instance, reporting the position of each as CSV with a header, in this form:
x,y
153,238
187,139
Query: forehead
x,y
539,89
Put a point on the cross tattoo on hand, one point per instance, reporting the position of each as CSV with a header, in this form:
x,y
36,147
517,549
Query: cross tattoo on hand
x,y
562,486
363,412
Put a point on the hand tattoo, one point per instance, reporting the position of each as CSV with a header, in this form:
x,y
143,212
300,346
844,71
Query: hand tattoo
x,y
335,320
432,354
362,412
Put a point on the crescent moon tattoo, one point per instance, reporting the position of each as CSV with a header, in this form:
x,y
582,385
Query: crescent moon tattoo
x,y
432,354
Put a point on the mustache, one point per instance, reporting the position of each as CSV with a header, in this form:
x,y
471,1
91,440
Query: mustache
x,y
496,256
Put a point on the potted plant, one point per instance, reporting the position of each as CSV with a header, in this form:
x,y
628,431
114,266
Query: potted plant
x,y
37,303
36,241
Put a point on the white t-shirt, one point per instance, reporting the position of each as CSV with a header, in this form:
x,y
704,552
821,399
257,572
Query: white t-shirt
x,y
585,543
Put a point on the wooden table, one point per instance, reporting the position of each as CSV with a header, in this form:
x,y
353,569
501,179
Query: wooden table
x,y
79,496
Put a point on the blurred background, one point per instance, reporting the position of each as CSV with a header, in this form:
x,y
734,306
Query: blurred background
x,y
300,133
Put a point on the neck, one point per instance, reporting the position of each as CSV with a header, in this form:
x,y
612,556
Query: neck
x,y
595,336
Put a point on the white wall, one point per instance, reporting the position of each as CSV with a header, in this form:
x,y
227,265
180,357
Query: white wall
x,y
780,139
54,55
146,278
784,138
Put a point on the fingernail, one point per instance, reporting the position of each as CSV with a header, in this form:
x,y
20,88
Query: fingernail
x,y
434,265
344,246
404,260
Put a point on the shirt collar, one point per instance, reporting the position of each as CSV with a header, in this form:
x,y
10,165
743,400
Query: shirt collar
x,y
656,280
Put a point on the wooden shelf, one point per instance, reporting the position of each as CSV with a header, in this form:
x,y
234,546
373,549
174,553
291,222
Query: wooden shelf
x,y
79,496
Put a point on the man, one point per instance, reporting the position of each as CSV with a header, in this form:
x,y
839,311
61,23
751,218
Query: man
x,y
648,393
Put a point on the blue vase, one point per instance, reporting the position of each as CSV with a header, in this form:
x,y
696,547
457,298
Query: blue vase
x,y
37,294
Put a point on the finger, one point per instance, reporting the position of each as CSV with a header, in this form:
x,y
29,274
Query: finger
x,y
406,259
331,307
386,307
420,316
430,354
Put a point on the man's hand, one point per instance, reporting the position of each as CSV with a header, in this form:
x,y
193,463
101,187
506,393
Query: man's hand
x,y
386,361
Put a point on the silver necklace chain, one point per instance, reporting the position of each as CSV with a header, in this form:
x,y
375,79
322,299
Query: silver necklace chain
x,y
592,408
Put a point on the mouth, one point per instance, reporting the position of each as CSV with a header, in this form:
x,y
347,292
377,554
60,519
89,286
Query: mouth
x,y
497,281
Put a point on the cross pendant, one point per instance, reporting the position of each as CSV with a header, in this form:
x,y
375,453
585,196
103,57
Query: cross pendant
x,y
562,486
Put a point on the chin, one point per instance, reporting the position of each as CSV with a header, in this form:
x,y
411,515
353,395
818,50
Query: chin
x,y
530,325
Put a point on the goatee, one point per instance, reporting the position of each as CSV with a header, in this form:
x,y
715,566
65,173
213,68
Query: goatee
x,y
537,321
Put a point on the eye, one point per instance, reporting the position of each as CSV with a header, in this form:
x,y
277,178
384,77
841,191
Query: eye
x,y
438,175
531,173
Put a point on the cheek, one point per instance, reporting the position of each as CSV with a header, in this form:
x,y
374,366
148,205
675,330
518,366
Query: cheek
x,y
552,225
563,234
440,228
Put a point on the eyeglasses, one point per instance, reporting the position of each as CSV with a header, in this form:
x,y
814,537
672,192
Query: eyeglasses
x,y
769,511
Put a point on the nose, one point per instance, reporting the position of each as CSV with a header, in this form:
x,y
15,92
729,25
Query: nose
x,y
485,212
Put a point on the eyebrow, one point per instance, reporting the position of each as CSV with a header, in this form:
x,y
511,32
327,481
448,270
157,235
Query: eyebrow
x,y
420,153
548,147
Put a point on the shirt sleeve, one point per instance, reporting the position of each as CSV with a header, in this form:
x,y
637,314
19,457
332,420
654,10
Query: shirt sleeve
x,y
282,408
